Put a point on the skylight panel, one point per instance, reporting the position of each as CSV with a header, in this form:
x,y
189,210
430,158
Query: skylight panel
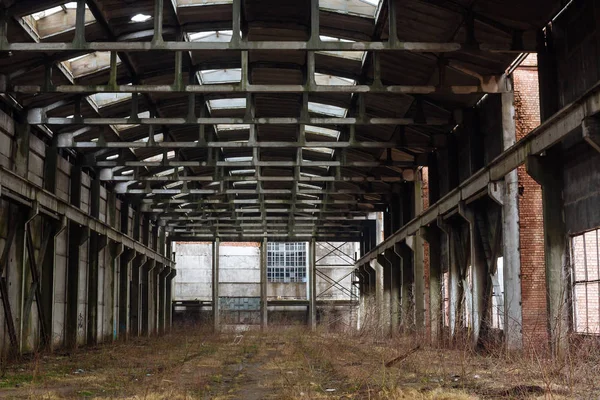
x,y
231,127
200,3
145,114
107,99
138,18
159,157
327,109
238,159
211,36
226,104
351,55
88,63
323,150
216,76
55,20
361,8
242,172
166,172
317,130
333,80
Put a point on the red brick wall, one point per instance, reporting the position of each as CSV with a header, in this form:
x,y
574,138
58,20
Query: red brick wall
x,y
533,277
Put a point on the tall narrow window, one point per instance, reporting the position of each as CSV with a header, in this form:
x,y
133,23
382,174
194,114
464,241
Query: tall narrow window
x,y
286,262
585,258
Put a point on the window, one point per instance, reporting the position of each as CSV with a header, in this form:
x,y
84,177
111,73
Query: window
x,y
286,262
498,295
585,250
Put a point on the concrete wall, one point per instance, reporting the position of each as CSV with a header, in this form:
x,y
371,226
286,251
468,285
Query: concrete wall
x,y
26,153
239,277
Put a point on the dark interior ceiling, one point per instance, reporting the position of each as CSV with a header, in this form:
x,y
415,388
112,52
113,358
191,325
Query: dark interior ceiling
x,y
239,180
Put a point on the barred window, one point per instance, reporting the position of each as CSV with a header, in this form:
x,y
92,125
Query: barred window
x,y
286,262
586,282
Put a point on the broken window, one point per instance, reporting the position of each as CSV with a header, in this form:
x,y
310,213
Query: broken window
x,y
286,262
585,257
55,20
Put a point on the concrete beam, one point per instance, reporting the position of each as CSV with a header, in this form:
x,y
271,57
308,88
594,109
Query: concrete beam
x,y
53,206
536,142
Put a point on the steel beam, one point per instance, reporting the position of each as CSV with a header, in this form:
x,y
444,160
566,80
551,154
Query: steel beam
x,y
242,45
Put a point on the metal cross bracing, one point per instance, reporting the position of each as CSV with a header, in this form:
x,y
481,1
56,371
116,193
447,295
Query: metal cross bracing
x,y
334,257
281,154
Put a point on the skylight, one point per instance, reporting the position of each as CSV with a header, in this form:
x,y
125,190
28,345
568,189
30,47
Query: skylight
x,y
242,172
107,99
140,18
361,8
333,80
324,150
225,104
198,3
327,109
317,130
55,20
238,159
113,157
167,172
159,157
145,114
231,127
211,36
215,76
351,55
88,64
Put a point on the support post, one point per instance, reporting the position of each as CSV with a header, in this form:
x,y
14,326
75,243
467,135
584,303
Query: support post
x,y
169,300
479,273
547,171
386,304
407,311
134,312
215,287
513,316
419,260
433,236
263,286
312,284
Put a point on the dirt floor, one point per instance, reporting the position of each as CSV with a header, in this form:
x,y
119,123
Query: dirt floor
x,y
290,364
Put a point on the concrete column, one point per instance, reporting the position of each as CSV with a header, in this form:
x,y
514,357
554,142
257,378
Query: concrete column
x,y
134,299
215,287
417,246
479,273
264,316
448,247
169,300
513,316
386,314
146,297
21,150
162,300
407,310
93,260
395,276
379,293
547,171
76,236
312,284
433,236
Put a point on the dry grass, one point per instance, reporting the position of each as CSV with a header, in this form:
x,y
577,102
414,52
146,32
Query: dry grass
x,y
294,364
